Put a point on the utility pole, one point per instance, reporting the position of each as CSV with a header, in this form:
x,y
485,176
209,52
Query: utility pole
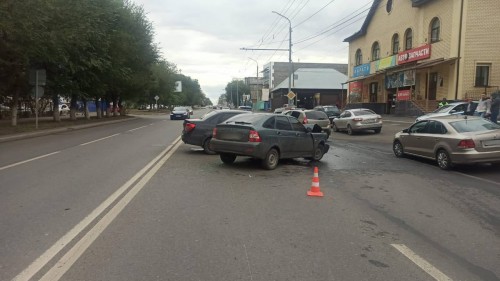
x,y
290,101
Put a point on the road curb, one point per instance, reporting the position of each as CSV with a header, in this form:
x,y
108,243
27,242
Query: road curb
x,y
58,130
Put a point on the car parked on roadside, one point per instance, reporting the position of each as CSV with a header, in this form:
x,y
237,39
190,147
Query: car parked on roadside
x,y
359,119
312,117
451,140
199,131
245,107
268,137
454,108
180,113
331,110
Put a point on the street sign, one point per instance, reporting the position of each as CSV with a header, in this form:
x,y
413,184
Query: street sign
x,y
37,73
157,98
291,95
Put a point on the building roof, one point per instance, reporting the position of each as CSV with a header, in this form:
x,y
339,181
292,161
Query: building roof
x,y
373,9
315,78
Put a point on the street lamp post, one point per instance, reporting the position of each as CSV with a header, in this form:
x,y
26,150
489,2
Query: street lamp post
x,y
290,101
257,67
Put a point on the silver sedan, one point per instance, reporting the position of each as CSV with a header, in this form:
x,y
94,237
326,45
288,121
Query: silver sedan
x,y
358,119
451,140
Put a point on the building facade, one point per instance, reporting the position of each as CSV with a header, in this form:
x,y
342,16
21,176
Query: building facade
x,y
275,83
410,54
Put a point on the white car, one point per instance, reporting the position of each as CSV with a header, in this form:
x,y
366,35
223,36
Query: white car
x,y
359,119
454,108
63,109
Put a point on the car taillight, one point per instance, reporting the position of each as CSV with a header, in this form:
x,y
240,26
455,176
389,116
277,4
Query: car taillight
x,y
469,143
253,136
305,120
357,119
189,127
214,133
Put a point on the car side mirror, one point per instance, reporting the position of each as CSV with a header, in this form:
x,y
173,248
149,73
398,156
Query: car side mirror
x,y
406,131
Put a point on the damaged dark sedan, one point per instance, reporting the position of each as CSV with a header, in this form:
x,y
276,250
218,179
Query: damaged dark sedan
x,y
268,137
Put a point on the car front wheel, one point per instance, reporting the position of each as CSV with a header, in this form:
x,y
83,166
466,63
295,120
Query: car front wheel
x,y
335,128
227,158
271,160
397,147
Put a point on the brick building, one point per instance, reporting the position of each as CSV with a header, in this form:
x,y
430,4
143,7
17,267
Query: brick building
x,y
409,54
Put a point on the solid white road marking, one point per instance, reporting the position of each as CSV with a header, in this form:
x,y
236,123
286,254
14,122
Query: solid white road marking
x,y
420,262
99,139
48,255
26,161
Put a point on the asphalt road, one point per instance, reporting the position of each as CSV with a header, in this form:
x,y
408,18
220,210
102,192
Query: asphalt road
x,y
129,201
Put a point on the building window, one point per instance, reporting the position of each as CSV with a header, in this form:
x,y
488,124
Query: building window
x,y
435,27
388,7
375,51
359,57
482,75
395,44
408,39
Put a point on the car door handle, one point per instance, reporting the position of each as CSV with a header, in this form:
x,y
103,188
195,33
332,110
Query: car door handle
x,y
278,133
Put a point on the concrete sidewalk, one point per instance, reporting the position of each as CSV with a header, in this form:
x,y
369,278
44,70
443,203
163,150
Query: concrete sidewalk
x,y
43,132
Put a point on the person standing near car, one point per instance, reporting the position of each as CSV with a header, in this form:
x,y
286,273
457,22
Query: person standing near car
x,y
482,106
443,102
471,107
495,107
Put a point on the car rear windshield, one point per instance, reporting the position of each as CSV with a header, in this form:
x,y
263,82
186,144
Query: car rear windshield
x,y
363,112
316,115
246,118
208,115
331,108
476,125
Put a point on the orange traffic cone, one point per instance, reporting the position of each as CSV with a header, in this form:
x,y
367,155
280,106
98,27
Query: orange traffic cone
x,y
315,185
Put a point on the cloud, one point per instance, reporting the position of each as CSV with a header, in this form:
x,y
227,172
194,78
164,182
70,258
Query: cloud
x,y
203,38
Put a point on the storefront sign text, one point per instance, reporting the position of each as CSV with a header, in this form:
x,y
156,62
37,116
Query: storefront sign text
x,y
423,52
403,95
385,63
361,70
400,79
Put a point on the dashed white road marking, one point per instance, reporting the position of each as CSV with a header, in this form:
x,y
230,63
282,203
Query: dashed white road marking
x,y
420,262
99,139
26,161
131,130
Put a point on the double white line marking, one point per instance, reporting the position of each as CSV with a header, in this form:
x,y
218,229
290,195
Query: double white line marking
x,y
72,255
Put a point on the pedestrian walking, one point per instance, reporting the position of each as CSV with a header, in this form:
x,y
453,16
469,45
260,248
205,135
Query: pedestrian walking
x,y
495,107
482,106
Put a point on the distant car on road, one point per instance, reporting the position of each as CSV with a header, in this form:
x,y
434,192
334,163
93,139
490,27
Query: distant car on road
x,y
245,107
331,110
199,131
312,117
180,113
268,137
359,119
451,140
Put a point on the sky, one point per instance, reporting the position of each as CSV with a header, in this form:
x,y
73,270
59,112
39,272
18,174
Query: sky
x,y
205,38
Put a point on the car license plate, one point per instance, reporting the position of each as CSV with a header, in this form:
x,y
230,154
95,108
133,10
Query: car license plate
x,y
370,121
491,143
177,115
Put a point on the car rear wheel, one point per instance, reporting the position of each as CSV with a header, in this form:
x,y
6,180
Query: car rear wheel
x,y
377,131
271,160
318,152
349,130
227,158
206,147
443,160
398,149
